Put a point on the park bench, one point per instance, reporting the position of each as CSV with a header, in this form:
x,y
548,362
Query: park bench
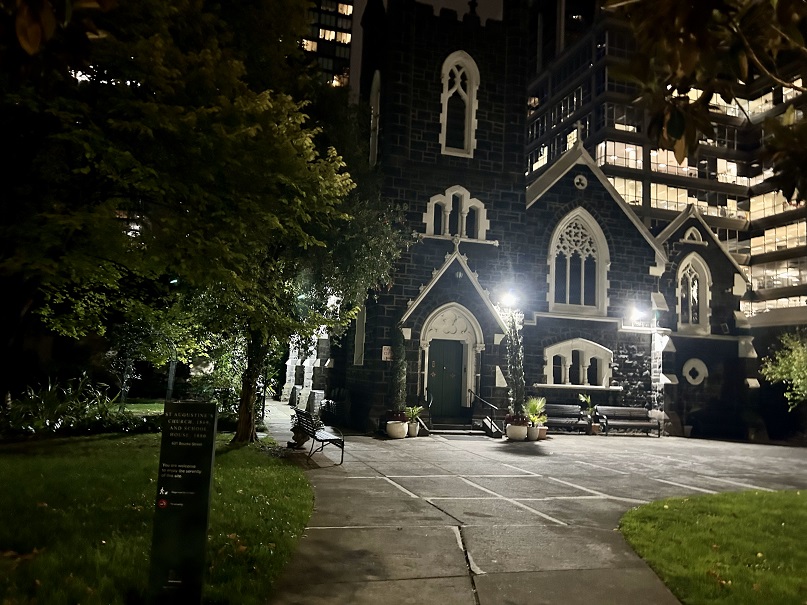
x,y
563,416
306,423
616,417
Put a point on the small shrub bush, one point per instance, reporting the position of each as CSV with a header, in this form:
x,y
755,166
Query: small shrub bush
x,y
78,407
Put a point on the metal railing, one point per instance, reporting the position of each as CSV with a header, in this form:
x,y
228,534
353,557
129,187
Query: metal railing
x,y
491,411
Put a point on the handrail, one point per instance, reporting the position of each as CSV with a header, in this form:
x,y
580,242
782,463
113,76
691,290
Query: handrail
x,y
488,403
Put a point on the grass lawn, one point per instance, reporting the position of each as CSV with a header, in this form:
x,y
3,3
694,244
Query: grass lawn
x,y
146,407
77,520
728,548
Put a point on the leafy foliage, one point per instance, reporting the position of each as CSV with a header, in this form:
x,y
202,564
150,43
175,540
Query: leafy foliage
x,y
535,409
77,407
413,412
398,381
788,365
167,185
690,53
515,364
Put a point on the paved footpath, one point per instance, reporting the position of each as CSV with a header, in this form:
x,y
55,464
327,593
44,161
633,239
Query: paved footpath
x,y
475,521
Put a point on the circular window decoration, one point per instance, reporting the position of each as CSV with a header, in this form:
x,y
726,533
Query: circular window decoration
x,y
695,371
580,182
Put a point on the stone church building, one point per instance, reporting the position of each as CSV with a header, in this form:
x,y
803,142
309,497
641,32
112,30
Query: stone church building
x,y
610,309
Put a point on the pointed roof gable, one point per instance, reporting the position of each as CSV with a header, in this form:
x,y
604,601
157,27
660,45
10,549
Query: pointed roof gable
x,y
578,156
472,278
693,213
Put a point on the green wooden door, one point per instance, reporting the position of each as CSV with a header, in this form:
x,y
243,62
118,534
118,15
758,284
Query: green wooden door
x,y
445,377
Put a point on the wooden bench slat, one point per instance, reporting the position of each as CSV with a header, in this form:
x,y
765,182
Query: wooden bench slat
x,y
626,418
306,423
566,416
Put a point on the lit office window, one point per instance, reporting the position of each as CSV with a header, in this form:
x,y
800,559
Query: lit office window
x,y
617,153
629,189
345,9
663,160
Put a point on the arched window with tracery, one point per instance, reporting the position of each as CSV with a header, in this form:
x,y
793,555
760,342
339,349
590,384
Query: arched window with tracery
x,y
693,295
460,78
578,263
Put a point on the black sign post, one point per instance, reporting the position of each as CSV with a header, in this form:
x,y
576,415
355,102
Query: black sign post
x,y
182,504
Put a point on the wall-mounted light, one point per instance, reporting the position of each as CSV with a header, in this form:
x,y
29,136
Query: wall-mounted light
x,y
509,299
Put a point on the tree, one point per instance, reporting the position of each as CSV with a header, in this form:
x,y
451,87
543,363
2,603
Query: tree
x,y
515,362
788,365
690,53
161,168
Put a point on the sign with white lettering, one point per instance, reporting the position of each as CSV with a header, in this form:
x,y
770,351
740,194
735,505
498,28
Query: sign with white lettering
x,y
182,502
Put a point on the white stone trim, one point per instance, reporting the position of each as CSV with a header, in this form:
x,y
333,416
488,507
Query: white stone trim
x,y
444,203
699,266
603,258
589,350
453,321
462,61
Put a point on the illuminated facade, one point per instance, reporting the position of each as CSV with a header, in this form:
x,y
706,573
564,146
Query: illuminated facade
x,y
329,38
639,280
575,95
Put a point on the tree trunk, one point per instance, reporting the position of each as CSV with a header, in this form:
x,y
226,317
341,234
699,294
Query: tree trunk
x,y
257,349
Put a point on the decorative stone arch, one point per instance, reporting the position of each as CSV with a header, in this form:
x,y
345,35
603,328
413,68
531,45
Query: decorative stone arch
x,y
693,234
578,233
460,79
597,373
456,199
693,291
453,321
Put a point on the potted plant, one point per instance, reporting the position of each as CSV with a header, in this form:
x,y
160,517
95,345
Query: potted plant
x,y
396,420
536,412
517,424
585,399
516,421
412,414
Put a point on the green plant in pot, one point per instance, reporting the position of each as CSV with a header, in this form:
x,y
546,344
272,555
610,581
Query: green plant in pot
x,y
412,414
397,387
594,426
516,418
535,409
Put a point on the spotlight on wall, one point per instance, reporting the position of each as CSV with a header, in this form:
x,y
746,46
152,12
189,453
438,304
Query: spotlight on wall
x,y
636,315
509,299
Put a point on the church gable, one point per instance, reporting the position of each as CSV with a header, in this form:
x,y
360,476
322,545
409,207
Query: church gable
x,y
453,283
703,282
591,254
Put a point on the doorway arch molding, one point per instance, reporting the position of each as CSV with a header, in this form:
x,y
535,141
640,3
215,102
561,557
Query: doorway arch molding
x,y
453,321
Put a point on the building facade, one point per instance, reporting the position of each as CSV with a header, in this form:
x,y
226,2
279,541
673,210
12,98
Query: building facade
x,y
627,269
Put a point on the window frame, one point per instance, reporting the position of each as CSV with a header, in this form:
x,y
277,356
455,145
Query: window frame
x,y
602,258
462,61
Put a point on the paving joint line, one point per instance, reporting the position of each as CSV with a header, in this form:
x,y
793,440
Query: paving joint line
x,y
473,570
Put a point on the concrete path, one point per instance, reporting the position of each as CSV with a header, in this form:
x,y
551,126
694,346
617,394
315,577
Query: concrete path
x,y
474,521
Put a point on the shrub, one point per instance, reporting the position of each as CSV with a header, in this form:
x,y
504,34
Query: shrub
x,y
77,407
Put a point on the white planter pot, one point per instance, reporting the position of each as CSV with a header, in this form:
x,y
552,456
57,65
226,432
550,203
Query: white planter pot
x,y
516,433
541,432
413,428
396,429
532,433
